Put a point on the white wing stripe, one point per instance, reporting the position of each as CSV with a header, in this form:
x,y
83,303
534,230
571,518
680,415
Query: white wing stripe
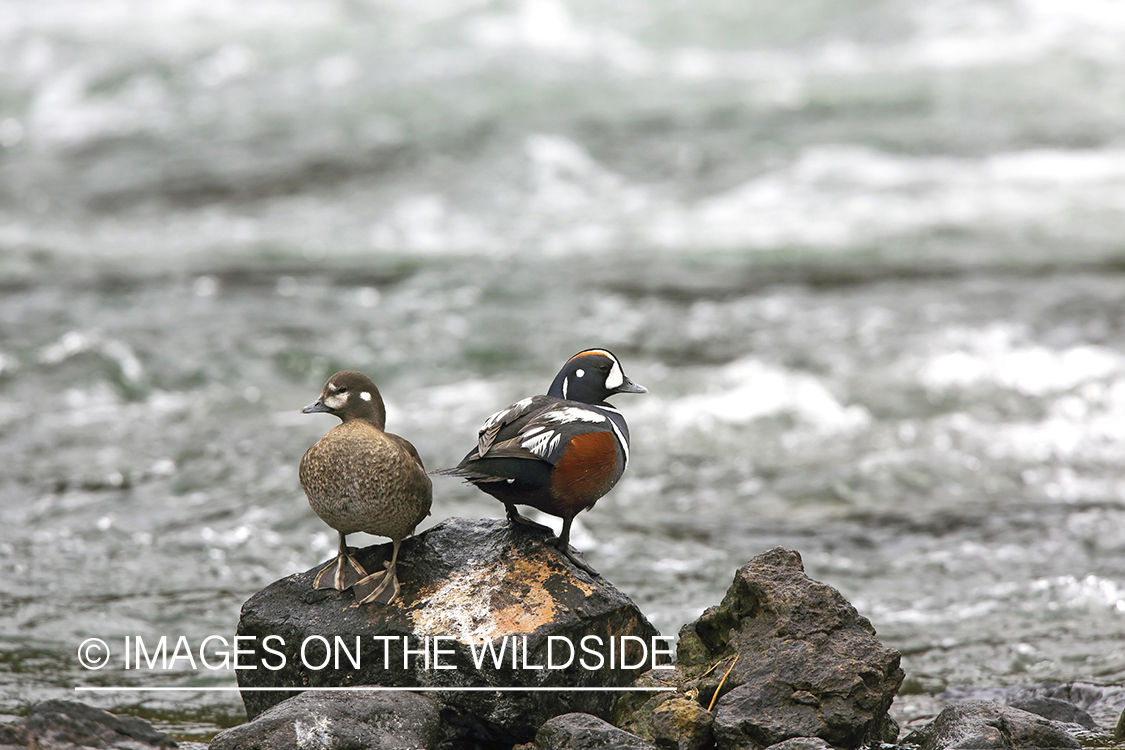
x,y
573,414
542,445
501,415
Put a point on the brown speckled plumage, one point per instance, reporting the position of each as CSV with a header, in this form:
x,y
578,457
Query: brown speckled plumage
x,y
360,478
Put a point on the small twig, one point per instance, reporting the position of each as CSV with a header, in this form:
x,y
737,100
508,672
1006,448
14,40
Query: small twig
x,y
715,697
712,668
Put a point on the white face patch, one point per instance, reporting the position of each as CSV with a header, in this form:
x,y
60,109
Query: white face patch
x,y
365,396
580,373
336,400
616,377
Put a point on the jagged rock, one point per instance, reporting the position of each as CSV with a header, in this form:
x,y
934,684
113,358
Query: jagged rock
x,y
885,731
363,721
579,731
69,725
1056,710
809,665
682,724
464,581
633,711
988,724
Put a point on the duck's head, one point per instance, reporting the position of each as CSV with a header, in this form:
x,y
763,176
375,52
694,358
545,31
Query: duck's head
x,y
592,376
350,395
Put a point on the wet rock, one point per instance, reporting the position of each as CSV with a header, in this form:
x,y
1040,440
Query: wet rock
x,y
1056,710
69,725
682,724
801,743
463,583
579,731
368,721
988,724
1103,703
808,664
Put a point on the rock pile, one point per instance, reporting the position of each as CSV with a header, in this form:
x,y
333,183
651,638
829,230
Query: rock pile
x,y
783,662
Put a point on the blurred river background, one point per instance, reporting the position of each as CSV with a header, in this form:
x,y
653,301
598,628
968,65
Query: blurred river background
x,y
867,256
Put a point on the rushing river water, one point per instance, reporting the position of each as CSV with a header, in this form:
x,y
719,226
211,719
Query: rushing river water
x,y
867,257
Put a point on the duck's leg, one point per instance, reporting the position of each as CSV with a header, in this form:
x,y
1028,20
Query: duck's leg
x,y
515,517
382,586
563,546
346,570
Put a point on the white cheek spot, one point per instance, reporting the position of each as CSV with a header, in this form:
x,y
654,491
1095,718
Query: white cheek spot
x,y
365,396
580,373
336,400
615,378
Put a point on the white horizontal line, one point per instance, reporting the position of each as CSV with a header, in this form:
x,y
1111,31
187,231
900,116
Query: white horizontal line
x,y
376,689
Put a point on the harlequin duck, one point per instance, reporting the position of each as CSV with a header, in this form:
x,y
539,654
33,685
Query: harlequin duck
x,y
360,478
560,452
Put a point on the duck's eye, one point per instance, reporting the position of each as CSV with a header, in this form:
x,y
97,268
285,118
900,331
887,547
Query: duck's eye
x,y
342,389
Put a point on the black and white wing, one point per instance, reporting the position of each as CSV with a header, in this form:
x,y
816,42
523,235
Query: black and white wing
x,y
546,434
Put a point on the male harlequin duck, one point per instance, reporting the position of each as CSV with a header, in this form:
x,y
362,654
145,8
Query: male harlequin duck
x,y
560,452
360,478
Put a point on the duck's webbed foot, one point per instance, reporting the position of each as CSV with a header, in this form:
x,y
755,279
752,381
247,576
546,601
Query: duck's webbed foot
x,y
562,544
340,574
574,556
379,587
515,517
383,586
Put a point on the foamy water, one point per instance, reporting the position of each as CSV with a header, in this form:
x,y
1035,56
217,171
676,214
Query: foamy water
x,y
866,259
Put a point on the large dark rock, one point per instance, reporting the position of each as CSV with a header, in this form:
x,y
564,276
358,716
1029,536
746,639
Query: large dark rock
x,y
809,665
1101,703
68,725
343,721
988,724
579,731
464,581
1055,710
